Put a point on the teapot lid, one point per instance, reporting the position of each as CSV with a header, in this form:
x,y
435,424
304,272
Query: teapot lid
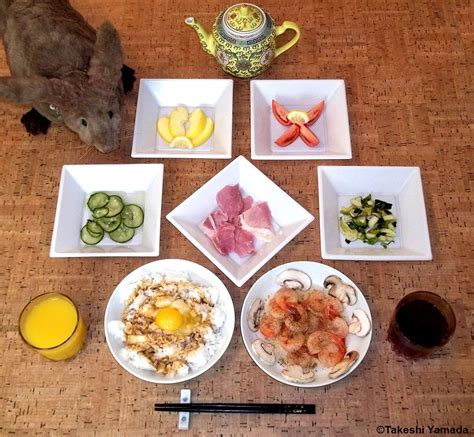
x,y
244,20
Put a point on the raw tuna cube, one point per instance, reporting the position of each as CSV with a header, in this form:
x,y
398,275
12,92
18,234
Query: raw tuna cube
x,y
230,200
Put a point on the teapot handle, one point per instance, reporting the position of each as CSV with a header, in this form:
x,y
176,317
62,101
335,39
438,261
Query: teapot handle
x,y
283,28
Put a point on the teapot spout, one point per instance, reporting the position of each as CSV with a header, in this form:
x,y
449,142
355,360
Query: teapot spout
x,y
206,40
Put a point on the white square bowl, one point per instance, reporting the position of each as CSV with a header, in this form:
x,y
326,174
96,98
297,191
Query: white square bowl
x,y
289,218
400,186
332,128
158,97
135,183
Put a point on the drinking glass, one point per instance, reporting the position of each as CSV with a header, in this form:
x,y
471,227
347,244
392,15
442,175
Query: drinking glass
x,y
421,323
51,324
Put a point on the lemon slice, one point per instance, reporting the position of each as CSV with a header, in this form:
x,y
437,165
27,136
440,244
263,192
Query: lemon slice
x,y
197,123
298,117
182,142
205,133
163,129
178,117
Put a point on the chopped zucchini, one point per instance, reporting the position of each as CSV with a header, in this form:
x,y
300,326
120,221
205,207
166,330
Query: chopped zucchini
x,y
369,220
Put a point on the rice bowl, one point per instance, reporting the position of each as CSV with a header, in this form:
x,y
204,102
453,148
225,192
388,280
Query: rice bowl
x,y
169,321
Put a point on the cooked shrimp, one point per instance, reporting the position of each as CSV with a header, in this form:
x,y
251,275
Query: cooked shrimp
x,y
314,322
286,298
297,321
302,358
315,302
333,307
275,310
329,347
338,326
332,355
291,341
270,327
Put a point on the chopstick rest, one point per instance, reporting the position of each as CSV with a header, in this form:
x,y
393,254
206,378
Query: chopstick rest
x,y
183,418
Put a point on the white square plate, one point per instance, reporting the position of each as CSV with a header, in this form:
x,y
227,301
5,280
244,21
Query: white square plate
x,y
158,97
134,183
332,128
289,218
400,186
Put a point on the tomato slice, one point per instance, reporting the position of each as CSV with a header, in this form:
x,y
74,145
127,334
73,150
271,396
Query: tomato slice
x,y
280,113
314,113
309,138
287,137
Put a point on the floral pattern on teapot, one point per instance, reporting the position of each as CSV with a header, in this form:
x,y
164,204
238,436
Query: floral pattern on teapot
x,y
243,39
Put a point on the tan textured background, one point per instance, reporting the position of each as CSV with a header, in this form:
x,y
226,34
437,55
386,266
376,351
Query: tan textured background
x,y
408,67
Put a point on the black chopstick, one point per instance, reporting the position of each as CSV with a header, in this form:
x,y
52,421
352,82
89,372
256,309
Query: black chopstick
x,y
239,408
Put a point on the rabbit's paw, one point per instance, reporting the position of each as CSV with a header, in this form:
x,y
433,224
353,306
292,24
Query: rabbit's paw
x,y
128,78
35,123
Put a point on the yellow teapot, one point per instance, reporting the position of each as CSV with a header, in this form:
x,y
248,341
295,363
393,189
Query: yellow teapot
x,y
243,39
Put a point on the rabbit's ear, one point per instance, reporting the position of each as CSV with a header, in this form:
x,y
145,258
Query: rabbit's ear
x,y
107,60
31,90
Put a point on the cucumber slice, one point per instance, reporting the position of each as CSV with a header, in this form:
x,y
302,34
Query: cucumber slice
x,y
97,200
132,216
114,206
122,234
88,238
93,228
100,212
109,224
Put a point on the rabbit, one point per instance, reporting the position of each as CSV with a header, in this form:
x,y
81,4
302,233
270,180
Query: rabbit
x,y
68,72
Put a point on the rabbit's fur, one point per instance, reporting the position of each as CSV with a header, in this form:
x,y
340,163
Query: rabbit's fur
x,y
67,71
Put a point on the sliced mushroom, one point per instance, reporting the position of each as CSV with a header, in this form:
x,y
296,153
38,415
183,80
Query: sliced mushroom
x,y
343,366
295,279
255,314
264,351
360,323
340,290
298,374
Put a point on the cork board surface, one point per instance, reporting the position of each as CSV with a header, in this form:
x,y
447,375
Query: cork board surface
x,y
408,70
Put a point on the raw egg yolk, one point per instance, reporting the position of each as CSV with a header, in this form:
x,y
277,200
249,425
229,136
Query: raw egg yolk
x,y
169,319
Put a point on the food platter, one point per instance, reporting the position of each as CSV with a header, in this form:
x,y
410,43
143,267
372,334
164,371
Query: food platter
x,y
289,217
267,286
332,128
400,186
177,269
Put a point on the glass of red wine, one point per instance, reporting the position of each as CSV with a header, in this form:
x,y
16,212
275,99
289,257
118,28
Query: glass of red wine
x,y
422,323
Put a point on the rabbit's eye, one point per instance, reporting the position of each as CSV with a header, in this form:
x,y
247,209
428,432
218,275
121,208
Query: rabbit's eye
x,y
110,114
83,121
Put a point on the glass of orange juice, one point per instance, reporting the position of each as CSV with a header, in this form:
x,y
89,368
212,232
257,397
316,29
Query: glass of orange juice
x,y
51,324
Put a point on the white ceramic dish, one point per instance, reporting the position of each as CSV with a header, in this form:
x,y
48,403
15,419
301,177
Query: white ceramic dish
x,y
135,183
332,128
116,305
266,287
289,217
158,97
400,186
